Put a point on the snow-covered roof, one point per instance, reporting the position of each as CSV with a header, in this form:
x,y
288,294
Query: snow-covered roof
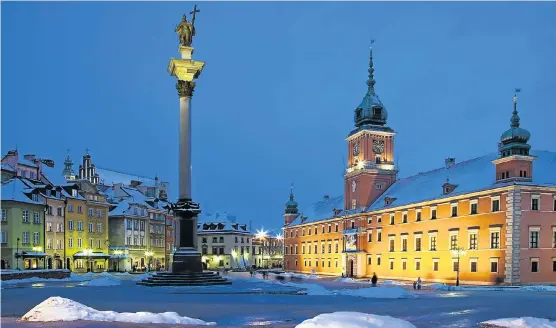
x,y
110,177
54,175
220,222
469,176
8,167
321,210
14,190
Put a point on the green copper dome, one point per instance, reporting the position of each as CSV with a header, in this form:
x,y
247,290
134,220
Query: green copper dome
x,y
514,140
291,205
370,110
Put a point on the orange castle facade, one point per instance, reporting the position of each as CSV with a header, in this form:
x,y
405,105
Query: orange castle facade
x,y
487,220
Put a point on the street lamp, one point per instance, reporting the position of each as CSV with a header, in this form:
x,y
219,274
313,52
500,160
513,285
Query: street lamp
x,y
88,253
261,236
148,254
118,253
17,255
458,252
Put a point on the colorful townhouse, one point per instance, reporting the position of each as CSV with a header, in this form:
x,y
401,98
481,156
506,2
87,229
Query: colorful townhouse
x,y
86,215
22,227
486,220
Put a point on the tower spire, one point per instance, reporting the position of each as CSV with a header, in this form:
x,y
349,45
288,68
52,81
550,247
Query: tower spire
x,y
371,81
291,192
514,122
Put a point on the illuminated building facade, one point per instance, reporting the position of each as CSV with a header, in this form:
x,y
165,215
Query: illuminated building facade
x,y
486,220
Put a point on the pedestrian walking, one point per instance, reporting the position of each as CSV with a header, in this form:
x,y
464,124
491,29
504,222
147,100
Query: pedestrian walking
x,y
374,280
419,283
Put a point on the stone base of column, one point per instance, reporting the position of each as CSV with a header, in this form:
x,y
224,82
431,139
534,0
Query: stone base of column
x,y
187,260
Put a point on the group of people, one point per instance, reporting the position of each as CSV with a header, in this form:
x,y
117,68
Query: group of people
x,y
417,284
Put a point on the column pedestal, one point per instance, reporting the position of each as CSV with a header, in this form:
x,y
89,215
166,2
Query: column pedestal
x,y
187,259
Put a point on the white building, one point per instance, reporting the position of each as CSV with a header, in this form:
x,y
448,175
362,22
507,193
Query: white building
x,y
223,242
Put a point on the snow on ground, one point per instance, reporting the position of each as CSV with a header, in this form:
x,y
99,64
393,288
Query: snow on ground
x,y
143,276
532,288
378,292
72,277
295,275
354,320
102,281
525,322
63,309
371,292
393,282
122,274
538,288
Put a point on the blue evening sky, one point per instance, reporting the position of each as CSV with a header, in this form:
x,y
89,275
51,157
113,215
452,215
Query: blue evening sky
x,y
276,99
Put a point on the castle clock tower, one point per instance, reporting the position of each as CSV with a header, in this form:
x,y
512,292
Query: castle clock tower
x,y
371,168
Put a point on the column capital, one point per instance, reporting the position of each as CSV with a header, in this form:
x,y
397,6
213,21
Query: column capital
x,y
185,88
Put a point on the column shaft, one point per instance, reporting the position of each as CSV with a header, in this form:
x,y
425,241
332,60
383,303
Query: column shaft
x,y
185,148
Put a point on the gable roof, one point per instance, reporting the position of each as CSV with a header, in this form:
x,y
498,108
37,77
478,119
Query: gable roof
x,y
469,176
15,190
111,177
321,210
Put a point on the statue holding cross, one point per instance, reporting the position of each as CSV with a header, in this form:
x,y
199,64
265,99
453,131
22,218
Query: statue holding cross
x,y
186,30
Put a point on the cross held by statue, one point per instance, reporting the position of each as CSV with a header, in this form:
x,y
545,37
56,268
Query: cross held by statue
x,y
195,10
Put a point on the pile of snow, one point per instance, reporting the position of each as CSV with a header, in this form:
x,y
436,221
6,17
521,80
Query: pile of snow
x,y
348,280
143,276
63,309
122,274
295,275
377,292
102,282
525,322
354,320
311,289
538,288
89,275
392,282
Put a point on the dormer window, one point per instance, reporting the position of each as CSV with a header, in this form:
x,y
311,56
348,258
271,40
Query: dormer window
x,y
388,201
358,113
74,192
35,197
447,187
377,111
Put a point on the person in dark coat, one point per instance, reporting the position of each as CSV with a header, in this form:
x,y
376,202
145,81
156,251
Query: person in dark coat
x,y
374,279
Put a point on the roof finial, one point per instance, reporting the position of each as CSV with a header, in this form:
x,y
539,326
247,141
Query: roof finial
x,y
514,122
371,81
86,151
291,192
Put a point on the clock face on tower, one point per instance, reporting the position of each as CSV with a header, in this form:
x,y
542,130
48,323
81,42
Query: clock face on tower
x,y
356,149
378,146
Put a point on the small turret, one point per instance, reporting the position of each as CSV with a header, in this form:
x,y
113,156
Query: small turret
x,y
514,162
291,209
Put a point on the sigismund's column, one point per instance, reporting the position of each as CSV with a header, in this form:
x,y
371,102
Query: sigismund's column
x,y
186,258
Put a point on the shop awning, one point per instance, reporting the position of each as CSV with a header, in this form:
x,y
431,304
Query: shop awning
x,y
93,255
32,254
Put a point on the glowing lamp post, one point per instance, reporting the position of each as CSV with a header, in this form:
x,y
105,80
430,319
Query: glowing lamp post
x,y
261,236
458,252
118,253
149,255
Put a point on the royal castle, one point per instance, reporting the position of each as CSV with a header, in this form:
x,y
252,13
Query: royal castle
x,y
486,220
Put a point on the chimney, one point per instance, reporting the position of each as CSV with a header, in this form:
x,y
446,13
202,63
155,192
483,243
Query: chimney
x,y
449,162
134,183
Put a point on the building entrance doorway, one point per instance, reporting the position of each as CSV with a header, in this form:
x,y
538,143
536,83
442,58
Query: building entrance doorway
x,y
349,269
